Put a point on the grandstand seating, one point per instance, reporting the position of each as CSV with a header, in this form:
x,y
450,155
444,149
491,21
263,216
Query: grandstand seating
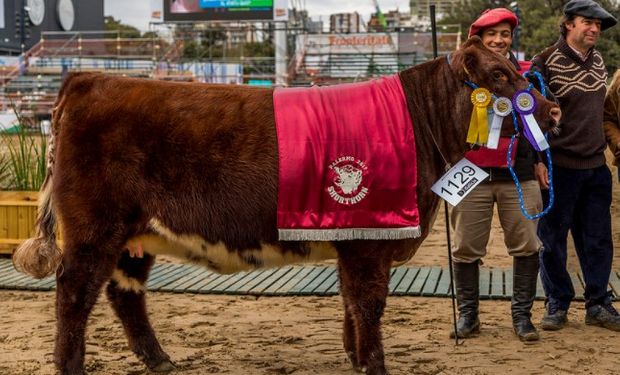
x,y
32,86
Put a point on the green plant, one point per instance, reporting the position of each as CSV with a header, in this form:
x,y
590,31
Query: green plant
x,y
5,168
22,161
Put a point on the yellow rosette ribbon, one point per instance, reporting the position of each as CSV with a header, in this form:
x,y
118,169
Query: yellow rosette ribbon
x,y
478,132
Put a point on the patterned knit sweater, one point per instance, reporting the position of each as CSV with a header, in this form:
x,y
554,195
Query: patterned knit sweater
x,y
580,87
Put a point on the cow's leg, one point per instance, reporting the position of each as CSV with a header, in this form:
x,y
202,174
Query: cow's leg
x,y
126,294
84,270
364,275
349,336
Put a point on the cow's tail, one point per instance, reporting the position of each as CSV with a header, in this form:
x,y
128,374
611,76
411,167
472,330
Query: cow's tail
x,y
40,256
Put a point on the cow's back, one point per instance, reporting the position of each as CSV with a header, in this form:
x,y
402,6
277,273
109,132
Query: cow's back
x,y
201,158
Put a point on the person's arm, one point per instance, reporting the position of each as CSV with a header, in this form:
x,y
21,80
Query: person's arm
x,y
611,122
542,175
540,169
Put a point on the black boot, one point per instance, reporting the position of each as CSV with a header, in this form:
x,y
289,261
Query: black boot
x,y
466,281
525,273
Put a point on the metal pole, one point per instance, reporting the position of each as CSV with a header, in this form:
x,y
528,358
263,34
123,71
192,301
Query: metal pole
x,y
280,53
434,30
22,25
445,204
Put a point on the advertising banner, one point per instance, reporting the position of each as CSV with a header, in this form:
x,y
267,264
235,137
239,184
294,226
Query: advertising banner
x,y
217,10
348,43
348,55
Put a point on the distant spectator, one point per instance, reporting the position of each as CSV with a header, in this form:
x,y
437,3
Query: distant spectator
x,y
22,65
611,117
64,71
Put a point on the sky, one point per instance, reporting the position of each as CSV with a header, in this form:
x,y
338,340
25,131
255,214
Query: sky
x,y
137,12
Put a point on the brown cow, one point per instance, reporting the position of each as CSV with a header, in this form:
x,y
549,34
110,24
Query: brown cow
x,y
192,169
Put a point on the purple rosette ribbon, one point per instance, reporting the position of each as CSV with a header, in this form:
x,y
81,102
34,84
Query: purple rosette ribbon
x,y
525,105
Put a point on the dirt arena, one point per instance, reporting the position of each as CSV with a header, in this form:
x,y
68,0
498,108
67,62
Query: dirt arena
x,y
301,335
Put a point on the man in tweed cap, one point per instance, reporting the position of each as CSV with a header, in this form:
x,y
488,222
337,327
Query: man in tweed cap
x,y
575,73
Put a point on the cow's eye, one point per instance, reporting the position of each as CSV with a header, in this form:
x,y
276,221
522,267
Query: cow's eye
x,y
499,76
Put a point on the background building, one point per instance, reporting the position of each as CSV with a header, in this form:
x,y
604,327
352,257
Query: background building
x,y
345,23
420,8
394,21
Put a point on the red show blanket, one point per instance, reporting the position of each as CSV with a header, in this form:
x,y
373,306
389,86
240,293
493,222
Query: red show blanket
x,y
347,162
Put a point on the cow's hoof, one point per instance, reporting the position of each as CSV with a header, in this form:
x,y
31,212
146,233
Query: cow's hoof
x,y
376,371
354,362
65,372
163,366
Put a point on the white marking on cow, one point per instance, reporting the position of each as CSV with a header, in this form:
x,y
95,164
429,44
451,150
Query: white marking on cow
x,y
218,257
127,283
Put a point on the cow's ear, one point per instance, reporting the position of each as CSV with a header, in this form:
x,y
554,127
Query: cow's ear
x,y
464,62
473,40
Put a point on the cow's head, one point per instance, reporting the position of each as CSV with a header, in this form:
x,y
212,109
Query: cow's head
x,y
475,63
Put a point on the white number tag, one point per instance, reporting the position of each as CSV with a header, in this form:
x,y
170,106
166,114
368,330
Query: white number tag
x,y
462,178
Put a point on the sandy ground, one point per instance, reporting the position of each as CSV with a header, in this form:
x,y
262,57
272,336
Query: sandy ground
x,y
301,335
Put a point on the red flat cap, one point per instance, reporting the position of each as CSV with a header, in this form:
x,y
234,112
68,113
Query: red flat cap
x,y
492,17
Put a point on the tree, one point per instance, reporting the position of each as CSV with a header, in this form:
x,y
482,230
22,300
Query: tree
x,y
201,44
265,53
609,44
126,31
259,49
540,25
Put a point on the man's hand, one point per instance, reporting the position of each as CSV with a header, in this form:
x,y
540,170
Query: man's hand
x,y
542,175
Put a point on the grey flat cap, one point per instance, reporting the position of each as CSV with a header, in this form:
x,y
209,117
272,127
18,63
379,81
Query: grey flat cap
x,y
590,9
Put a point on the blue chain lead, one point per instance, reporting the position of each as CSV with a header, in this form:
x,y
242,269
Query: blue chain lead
x,y
541,80
474,86
547,152
516,179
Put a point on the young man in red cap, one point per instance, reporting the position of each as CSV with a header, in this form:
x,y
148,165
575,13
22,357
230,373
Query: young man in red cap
x,y
575,72
472,218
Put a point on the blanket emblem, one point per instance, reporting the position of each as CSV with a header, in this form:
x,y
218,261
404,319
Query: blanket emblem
x,y
346,162
347,174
